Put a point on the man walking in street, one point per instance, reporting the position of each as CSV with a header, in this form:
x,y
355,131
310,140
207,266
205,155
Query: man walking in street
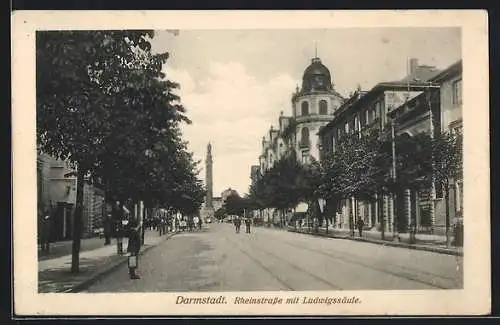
x,y
237,224
248,222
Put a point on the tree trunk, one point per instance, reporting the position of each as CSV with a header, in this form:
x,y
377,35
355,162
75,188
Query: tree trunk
x,y
382,216
447,210
395,213
107,221
78,221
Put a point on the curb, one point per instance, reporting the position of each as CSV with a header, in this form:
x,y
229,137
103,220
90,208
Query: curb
x,y
87,283
388,243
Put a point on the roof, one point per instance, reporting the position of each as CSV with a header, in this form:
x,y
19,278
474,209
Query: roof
x,y
422,73
316,77
449,72
372,94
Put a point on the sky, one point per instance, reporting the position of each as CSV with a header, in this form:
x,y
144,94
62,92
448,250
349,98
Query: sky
x,y
234,83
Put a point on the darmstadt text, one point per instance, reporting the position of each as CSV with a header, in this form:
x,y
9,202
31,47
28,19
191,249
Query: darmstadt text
x,y
201,301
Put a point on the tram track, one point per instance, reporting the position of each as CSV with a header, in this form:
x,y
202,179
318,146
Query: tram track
x,y
293,266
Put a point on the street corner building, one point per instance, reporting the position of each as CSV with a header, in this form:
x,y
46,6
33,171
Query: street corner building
x,y
427,100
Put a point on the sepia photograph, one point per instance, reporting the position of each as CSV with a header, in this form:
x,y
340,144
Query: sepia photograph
x,y
199,161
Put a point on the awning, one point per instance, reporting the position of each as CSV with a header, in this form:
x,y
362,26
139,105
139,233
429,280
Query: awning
x,y
302,207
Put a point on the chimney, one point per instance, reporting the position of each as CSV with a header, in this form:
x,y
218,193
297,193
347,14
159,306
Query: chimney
x,y
413,65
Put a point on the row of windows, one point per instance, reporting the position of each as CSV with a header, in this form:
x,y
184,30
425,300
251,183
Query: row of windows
x,y
457,92
323,107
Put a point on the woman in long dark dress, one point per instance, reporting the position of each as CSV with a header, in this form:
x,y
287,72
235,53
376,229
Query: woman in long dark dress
x,y
134,245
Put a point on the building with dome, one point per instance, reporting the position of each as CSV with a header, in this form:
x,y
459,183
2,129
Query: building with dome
x,y
312,106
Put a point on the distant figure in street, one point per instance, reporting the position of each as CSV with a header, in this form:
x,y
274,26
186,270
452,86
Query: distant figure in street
x,y
199,223
45,230
134,245
237,224
248,222
316,224
360,225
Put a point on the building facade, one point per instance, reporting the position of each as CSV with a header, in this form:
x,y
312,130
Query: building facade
x,y
57,192
370,111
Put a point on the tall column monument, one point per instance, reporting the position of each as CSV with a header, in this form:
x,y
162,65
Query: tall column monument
x,y
208,209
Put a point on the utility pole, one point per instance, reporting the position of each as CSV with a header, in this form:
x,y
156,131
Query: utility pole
x,y
395,226
433,179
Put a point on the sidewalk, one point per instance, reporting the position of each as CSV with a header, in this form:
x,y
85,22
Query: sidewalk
x,y
425,242
54,274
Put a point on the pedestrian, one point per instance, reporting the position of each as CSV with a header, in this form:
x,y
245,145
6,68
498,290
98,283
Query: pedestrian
x,y
237,224
199,223
117,213
248,222
134,246
45,230
316,224
360,225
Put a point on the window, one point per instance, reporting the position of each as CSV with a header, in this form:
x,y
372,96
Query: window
x,y
333,144
346,127
304,136
305,157
457,92
356,123
376,110
323,107
305,108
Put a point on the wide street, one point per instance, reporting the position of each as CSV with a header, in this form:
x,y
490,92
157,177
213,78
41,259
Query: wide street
x,y
218,259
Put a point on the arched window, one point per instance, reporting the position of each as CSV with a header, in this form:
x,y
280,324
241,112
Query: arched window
x,y
304,136
305,108
323,107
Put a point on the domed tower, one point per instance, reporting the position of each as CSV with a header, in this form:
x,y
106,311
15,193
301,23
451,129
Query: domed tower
x,y
313,107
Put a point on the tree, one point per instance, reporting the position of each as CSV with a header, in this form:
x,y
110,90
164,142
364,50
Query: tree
x,y
448,167
354,170
234,205
101,104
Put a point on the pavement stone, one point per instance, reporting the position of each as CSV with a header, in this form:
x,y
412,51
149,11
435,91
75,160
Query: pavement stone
x,y
55,275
